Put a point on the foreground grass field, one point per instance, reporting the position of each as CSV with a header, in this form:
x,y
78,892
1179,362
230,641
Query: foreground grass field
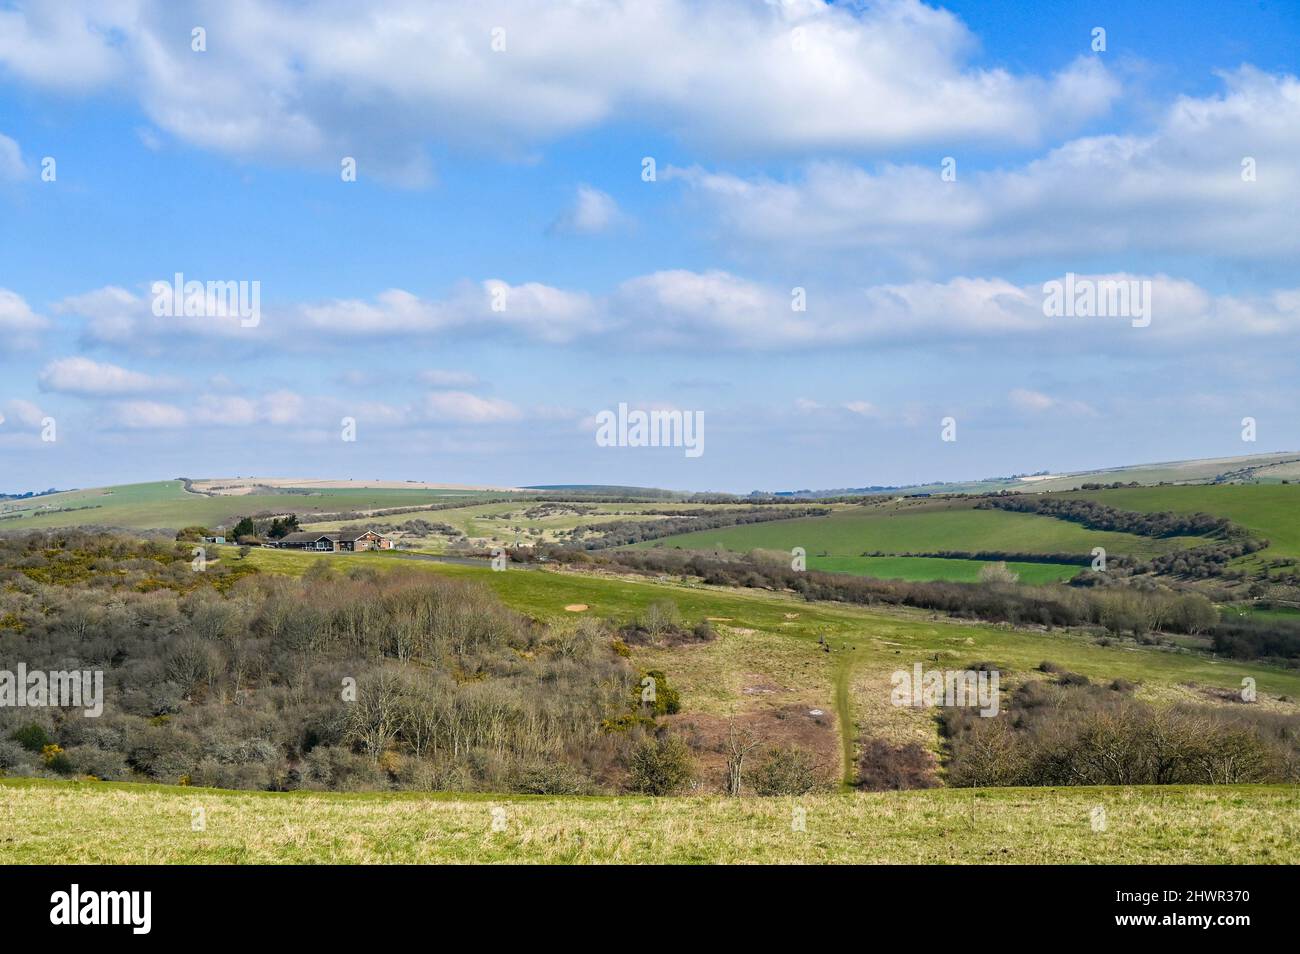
x,y
103,823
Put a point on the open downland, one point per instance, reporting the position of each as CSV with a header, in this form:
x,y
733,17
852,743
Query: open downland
x,y
106,823
837,542
767,656
1272,511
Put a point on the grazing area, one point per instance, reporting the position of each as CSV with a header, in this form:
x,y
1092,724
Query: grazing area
x,y
1270,510
905,537
155,825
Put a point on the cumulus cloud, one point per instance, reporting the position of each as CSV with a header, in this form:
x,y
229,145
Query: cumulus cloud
x,y
23,413
12,167
593,213
19,325
114,316
462,407
535,311
230,410
82,376
1181,187
148,415
285,83
717,310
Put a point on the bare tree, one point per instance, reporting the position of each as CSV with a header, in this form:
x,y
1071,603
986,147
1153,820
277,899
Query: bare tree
x,y
740,742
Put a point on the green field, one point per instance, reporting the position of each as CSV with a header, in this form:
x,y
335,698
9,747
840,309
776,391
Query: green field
x,y
166,504
1271,510
840,540
937,568
105,823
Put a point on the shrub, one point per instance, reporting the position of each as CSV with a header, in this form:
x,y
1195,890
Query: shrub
x,y
667,700
550,778
660,765
31,737
785,771
885,767
998,573
89,760
12,755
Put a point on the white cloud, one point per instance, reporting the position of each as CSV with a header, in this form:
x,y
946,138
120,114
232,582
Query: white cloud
x,y
148,415
115,316
593,213
19,325
1178,188
23,412
538,312
1036,402
717,310
461,407
286,83
12,166
67,46
82,376
231,410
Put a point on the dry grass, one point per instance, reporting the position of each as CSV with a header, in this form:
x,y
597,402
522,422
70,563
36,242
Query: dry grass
x,y
99,823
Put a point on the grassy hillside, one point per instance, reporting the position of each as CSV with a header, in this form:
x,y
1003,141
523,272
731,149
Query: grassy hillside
x,y
937,568
1254,466
768,661
46,821
921,526
502,523
1271,510
166,503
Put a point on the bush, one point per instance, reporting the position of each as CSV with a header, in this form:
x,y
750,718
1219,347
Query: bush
x,y
550,778
785,771
31,737
660,766
667,700
12,756
108,766
885,767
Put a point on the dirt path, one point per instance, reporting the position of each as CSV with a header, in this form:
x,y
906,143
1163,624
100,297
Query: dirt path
x,y
844,668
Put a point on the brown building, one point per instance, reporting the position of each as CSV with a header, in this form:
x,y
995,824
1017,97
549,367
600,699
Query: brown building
x,y
335,542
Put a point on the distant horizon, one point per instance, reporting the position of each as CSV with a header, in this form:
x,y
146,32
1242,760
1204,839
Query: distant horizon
x,y
502,486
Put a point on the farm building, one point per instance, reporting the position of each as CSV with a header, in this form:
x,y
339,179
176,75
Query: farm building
x,y
336,541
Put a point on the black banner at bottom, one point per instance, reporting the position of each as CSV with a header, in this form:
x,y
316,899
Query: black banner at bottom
x,y
169,904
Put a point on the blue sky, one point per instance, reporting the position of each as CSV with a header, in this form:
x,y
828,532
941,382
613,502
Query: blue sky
x,y
796,144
